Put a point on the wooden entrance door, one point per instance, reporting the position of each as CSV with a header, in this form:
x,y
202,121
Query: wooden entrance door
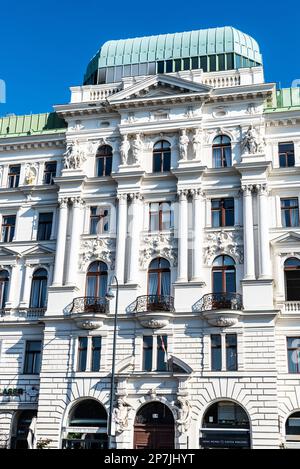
x,y
153,437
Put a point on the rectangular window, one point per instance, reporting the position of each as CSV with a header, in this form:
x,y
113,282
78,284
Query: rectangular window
x,y
8,228
203,63
147,352
221,62
230,61
231,352
160,67
195,63
44,226
162,353
49,172
160,216
216,352
286,154
212,63
293,351
186,64
290,212
96,353
99,220
14,176
222,212
177,65
32,361
82,353
169,66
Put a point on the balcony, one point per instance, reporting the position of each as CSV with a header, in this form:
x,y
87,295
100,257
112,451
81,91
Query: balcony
x,y
220,309
289,306
32,313
88,312
154,311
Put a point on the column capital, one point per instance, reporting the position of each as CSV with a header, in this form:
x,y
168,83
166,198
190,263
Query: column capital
x,y
197,193
122,198
135,196
77,202
247,189
183,194
262,189
63,202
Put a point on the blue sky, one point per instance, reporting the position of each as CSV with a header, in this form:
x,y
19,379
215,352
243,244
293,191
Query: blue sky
x,y
45,46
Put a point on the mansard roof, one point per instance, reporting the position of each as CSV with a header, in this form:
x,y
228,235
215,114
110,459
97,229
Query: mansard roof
x,y
33,124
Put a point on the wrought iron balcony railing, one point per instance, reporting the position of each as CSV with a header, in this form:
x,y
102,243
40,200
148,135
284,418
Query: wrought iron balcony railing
x,y
218,301
147,303
89,304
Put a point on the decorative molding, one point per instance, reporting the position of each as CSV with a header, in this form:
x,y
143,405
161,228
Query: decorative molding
x,y
158,245
224,242
102,249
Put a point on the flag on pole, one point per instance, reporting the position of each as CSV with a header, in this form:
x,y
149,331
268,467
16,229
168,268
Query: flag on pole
x,y
164,348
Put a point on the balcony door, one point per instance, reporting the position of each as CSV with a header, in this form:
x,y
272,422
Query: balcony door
x,y
292,279
96,281
223,275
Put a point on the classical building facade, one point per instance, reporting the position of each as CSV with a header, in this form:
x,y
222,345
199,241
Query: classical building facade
x,y
176,169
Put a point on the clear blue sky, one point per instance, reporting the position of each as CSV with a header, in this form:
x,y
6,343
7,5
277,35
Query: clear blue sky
x,y
45,46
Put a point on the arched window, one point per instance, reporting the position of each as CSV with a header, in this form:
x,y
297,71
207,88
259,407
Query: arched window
x,y
38,296
85,415
225,425
4,280
104,160
159,277
292,427
96,282
161,156
221,151
223,275
292,279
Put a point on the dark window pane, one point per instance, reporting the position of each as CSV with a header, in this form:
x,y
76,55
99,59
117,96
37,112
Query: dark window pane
x,y
147,353
49,172
293,352
229,58
203,63
217,282
108,165
162,355
44,226
32,361
167,161
212,63
82,353
231,352
216,353
195,63
160,67
169,66
186,64
177,65
96,353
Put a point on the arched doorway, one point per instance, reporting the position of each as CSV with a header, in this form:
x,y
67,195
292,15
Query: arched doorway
x,y
87,426
154,427
225,425
20,438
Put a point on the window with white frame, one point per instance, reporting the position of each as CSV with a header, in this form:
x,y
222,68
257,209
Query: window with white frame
x,y
99,220
155,353
224,352
89,353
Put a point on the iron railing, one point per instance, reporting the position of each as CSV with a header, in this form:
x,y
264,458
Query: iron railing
x,y
216,301
148,303
32,313
89,304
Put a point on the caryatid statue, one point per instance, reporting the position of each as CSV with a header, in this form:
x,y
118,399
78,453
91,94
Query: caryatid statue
x,y
137,148
183,145
73,155
251,142
121,414
124,149
197,140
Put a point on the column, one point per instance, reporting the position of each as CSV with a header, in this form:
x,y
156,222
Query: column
x,y
26,287
263,233
183,237
14,287
198,228
135,223
61,242
76,230
249,268
121,237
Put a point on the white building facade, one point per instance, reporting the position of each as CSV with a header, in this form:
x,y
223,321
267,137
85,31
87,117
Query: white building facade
x,y
175,168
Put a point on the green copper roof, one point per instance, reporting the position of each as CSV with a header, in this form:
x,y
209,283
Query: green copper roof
x,y
34,124
178,45
286,99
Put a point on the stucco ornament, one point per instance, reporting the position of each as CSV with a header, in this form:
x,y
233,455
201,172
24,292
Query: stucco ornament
x,y
252,142
183,145
159,245
137,148
30,174
74,156
224,242
124,149
94,249
184,412
120,414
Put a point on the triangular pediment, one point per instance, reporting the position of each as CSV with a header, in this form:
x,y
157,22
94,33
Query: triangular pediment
x,y
160,86
38,251
5,252
287,239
